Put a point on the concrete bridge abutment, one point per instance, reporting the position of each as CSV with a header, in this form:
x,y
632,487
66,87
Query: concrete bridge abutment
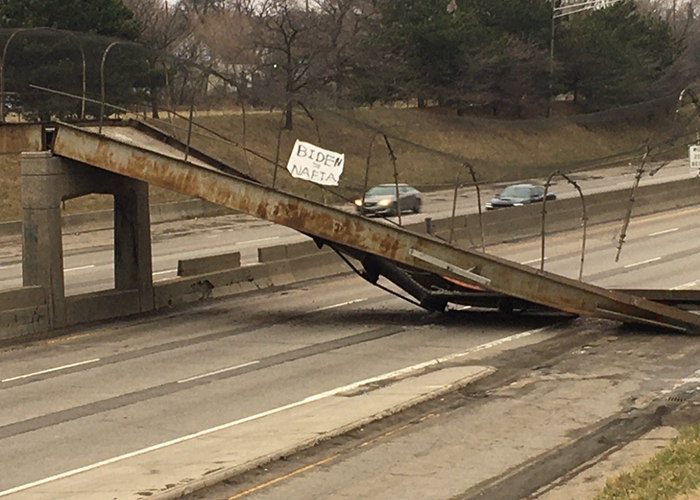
x,y
48,180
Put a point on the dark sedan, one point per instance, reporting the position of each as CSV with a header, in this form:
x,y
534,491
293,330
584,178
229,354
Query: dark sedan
x,y
381,200
519,195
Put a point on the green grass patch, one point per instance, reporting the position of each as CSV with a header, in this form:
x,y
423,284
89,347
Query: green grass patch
x,y
672,472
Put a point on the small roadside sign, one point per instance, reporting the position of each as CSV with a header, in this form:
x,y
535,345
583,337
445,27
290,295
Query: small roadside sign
x,y
314,164
694,156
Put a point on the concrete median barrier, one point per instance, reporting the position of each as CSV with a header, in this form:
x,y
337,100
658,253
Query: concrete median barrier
x,y
208,264
104,219
290,251
10,228
103,305
21,137
19,298
223,283
207,286
516,223
23,311
318,264
272,254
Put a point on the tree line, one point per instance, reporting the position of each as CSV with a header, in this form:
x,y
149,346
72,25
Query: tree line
x,y
501,57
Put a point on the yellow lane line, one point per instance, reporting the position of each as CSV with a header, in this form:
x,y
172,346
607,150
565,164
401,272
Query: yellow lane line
x,y
326,460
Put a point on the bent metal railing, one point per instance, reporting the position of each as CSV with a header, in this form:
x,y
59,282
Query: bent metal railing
x,y
396,244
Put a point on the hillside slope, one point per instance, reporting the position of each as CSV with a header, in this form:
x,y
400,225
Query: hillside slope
x,y
429,147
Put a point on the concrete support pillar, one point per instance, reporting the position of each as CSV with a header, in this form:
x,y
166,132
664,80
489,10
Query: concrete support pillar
x,y
42,262
47,180
132,242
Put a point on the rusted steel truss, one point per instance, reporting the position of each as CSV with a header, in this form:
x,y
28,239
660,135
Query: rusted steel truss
x,y
404,248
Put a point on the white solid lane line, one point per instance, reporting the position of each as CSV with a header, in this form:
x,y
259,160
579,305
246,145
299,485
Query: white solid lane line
x,y
258,416
692,379
643,262
259,240
79,268
339,305
664,232
165,272
50,370
532,261
223,370
686,286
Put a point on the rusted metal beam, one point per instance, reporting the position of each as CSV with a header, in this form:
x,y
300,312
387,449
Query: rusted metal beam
x,y
686,298
373,237
193,152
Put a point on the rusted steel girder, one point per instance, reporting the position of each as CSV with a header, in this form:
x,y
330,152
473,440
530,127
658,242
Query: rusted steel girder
x,y
373,237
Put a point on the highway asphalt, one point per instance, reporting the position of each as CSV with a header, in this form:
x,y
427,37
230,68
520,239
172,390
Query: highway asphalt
x,y
148,408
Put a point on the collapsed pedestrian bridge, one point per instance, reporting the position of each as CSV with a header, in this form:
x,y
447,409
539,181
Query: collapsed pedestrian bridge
x,y
432,271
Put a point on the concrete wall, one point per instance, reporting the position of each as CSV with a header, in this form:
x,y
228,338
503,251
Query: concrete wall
x,y
104,219
209,264
23,311
511,224
291,251
259,276
21,137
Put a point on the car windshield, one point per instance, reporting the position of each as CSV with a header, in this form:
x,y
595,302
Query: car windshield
x,y
515,192
382,191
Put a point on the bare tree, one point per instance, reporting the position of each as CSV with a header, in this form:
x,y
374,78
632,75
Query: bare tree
x,y
341,25
198,8
162,27
229,37
291,49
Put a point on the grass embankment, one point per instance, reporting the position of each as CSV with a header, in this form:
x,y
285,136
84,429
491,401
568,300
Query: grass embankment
x,y
673,473
429,146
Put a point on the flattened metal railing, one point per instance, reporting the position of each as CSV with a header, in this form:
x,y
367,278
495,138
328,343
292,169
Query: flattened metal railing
x,y
396,244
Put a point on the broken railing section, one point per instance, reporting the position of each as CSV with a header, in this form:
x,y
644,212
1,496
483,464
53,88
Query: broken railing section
x,y
283,125
648,147
628,214
584,217
478,203
395,244
394,160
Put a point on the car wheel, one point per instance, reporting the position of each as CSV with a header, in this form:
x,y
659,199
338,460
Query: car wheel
x,y
417,207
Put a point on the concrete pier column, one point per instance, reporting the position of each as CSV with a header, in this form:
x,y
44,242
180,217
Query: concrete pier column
x,y
132,241
42,262
48,180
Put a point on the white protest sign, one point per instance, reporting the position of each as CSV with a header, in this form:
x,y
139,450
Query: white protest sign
x,y
314,164
694,155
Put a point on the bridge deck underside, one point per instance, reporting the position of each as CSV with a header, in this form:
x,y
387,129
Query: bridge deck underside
x,y
395,244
